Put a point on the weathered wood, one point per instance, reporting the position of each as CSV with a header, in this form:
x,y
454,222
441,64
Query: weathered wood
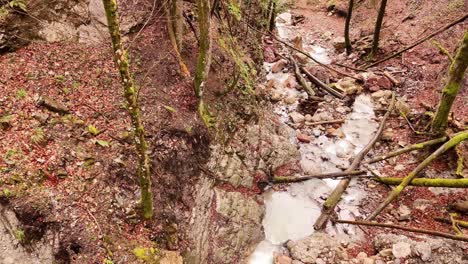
x,y
423,182
282,179
321,85
459,137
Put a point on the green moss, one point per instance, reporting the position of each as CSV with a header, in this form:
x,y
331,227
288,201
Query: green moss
x,y
455,5
19,235
147,255
21,93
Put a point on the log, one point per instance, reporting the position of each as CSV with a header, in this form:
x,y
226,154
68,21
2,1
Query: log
x,y
423,182
282,179
408,149
459,137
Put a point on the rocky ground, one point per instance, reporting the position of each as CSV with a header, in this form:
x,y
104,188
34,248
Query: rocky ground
x,y
67,163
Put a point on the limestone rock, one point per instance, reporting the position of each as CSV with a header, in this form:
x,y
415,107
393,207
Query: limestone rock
x,y
297,117
310,248
401,250
339,43
279,66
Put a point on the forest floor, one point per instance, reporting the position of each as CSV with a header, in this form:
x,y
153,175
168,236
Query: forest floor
x,y
72,167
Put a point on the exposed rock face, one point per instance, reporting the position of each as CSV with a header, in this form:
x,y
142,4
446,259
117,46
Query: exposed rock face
x,y
62,20
228,213
317,248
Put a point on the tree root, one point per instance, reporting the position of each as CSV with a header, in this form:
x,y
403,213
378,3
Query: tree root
x,y
409,229
335,196
459,137
408,149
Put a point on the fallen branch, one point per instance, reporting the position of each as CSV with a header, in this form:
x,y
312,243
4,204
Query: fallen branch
x,y
337,121
461,19
282,179
408,149
450,222
335,196
409,229
459,137
301,79
321,85
424,182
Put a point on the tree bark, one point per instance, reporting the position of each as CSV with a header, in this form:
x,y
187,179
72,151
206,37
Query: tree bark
x,y
348,22
378,26
451,89
458,138
204,58
122,63
174,28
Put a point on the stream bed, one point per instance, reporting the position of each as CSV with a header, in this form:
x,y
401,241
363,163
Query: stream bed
x,y
291,213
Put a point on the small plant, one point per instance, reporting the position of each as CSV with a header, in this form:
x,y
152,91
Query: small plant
x,y
21,93
19,234
38,137
93,130
234,10
18,4
10,154
60,78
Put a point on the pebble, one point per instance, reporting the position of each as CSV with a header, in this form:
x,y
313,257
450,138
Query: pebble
x,y
401,250
296,117
279,66
361,255
404,213
368,261
399,167
304,138
386,252
423,250
316,132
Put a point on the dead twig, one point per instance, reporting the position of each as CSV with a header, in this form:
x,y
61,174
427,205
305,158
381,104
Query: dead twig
x,y
337,121
408,149
335,196
423,182
455,140
451,24
409,229
282,179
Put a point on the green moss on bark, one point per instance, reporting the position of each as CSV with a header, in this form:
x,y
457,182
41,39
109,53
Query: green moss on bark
x,y
451,89
122,62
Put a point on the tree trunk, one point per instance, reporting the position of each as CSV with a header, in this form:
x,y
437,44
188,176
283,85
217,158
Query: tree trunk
x,y
272,15
174,29
346,32
378,26
204,58
451,89
122,62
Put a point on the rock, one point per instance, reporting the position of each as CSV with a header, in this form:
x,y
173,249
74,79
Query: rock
x,y
269,54
290,100
171,257
368,261
53,105
310,167
327,35
308,118
404,213
399,167
41,117
423,250
402,107
309,249
401,250
386,252
279,66
381,94
290,82
339,43
377,82
301,58
388,135
304,138
316,132
322,116
361,255
422,204
282,259
276,95
297,117
320,261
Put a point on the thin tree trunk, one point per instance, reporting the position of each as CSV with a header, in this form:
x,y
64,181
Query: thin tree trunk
x,y
272,15
204,58
174,29
122,62
378,26
451,89
458,138
348,22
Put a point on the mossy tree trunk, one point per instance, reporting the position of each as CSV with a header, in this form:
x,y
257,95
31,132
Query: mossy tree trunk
x,y
204,58
122,62
378,26
271,15
451,89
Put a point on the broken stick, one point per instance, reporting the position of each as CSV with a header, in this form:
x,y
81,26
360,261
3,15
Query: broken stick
x,y
409,229
455,140
408,149
335,196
